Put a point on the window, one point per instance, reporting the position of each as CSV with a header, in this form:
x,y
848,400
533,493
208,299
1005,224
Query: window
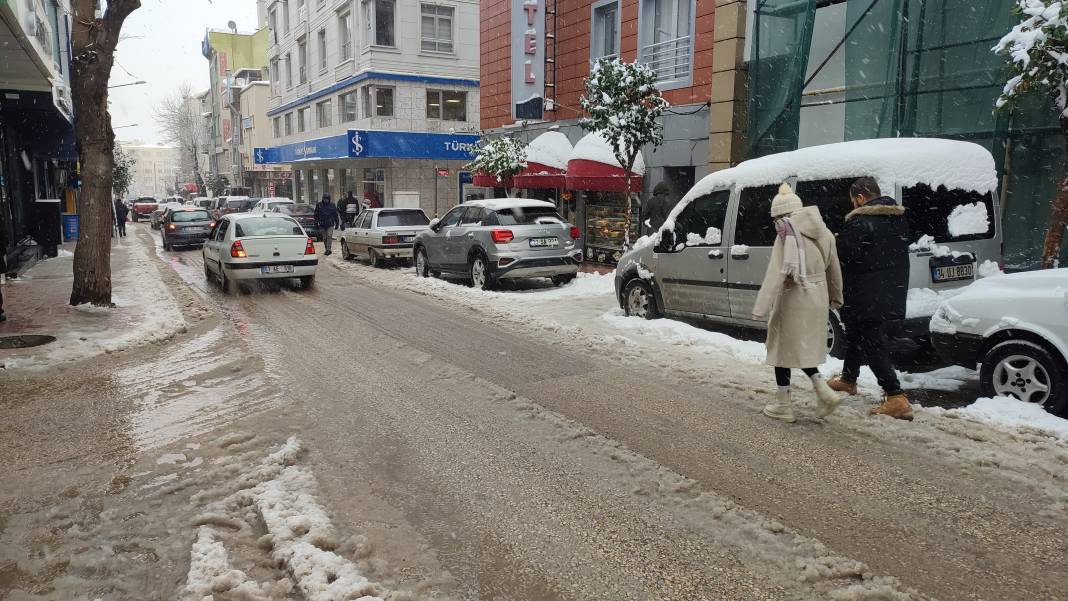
x,y
289,123
268,226
755,226
412,217
374,186
382,105
928,212
302,59
324,113
605,39
285,16
452,217
379,17
289,70
701,222
344,36
322,49
832,198
665,41
302,119
277,127
447,105
473,216
272,24
527,216
275,84
346,107
437,28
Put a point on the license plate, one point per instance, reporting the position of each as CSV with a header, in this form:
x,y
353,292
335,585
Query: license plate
x,y
545,241
195,230
407,238
952,273
276,269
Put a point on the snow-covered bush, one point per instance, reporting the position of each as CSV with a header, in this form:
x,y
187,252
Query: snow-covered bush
x,y
500,157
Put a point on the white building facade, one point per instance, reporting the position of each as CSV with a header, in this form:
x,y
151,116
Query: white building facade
x,y
376,97
156,169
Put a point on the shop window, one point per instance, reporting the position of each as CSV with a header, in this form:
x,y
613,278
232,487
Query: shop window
x,y
324,113
446,105
701,222
755,226
832,198
605,38
379,16
436,28
347,107
374,186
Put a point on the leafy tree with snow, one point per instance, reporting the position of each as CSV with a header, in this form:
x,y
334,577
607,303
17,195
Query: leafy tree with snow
x,y
122,172
623,104
1037,52
218,183
501,157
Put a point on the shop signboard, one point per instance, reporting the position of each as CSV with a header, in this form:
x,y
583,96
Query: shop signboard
x,y
358,144
528,58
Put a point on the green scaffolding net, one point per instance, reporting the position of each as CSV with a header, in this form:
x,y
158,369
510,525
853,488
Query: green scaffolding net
x,y
825,71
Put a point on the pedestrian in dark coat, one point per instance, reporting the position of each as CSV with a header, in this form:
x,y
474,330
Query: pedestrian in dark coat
x,y
121,212
327,218
873,249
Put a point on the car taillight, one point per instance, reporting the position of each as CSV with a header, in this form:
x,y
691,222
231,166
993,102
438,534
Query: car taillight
x,y
212,224
171,226
501,236
390,240
237,251
309,247
575,232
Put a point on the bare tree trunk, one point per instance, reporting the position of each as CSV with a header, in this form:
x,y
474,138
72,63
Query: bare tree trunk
x,y
1058,214
93,44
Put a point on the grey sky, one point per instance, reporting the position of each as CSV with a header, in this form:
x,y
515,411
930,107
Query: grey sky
x,y
161,45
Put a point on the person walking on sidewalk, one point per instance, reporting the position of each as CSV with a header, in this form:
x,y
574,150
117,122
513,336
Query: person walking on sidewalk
x,y
802,283
874,249
327,218
121,212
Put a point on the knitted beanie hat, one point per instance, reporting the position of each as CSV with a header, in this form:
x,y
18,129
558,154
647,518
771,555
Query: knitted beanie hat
x,y
785,202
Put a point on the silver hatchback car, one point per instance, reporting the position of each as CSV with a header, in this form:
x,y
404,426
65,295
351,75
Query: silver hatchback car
x,y
491,240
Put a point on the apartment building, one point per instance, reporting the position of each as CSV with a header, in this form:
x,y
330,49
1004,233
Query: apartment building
x,y
377,97
156,169
261,180
38,156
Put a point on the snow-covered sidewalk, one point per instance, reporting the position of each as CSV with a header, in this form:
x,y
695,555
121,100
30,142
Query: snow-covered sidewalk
x,y
37,304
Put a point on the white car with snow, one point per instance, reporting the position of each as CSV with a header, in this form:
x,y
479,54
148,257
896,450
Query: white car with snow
x,y
271,204
1015,327
258,246
707,261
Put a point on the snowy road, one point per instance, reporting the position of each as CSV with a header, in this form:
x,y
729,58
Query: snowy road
x,y
463,449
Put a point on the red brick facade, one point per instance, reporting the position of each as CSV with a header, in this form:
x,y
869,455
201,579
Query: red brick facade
x,y
573,57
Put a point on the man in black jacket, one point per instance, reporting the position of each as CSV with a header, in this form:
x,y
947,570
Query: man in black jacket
x,y
873,248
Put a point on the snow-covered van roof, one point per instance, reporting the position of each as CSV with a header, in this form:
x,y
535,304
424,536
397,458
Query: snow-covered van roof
x,y
551,149
902,161
593,147
497,204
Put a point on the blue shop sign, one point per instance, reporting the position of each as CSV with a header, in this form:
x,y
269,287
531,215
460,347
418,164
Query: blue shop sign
x,y
359,144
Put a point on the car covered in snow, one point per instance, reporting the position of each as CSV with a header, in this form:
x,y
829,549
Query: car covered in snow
x,y
1015,327
708,260
244,247
383,235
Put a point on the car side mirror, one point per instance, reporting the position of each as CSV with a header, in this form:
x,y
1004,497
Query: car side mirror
x,y
667,241
434,224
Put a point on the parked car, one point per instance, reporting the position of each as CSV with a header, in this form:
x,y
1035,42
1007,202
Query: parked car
x,y
143,208
305,216
505,238
258,246
1015,327
270,204
187,226
236,204
707,261
157,215
383,234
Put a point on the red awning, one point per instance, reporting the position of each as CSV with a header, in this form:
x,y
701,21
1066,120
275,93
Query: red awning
x,y
539,176
485,180
189,187
583,174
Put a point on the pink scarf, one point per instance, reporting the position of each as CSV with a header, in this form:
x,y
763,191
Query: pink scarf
x,y
793,252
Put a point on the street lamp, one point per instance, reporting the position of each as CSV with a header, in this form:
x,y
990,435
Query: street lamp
x,y
133,83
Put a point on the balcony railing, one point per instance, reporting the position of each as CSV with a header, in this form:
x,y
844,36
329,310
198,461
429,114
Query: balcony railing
x,y
671,60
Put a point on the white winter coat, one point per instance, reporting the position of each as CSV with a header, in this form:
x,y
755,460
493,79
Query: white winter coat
x,y
797,326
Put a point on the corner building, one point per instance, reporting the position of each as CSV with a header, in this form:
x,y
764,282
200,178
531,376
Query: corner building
x,y
377,97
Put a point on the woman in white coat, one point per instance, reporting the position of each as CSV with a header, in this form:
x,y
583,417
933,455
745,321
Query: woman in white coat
x,y
803,282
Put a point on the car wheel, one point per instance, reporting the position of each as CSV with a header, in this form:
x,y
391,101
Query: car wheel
x,y
479,272
376,261
562,280
639,301
836,337
345,255
307,282
1026,371
228,286
422,265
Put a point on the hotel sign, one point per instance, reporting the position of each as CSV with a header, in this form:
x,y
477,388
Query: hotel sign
x,y
528,58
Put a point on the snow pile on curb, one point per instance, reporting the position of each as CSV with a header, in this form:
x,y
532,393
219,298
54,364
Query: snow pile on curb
x,y
210,573
1007,413
969,219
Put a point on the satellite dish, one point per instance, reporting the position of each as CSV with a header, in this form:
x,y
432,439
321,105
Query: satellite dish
x,y
231,25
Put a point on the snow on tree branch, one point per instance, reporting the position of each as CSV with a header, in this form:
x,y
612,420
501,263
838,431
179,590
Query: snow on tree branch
x,y
500,157
623,104
1037,52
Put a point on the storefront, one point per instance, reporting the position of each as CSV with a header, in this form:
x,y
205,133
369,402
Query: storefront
x,y
599,186
270,181
545,176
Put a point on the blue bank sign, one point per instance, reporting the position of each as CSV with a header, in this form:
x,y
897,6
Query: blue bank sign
x,y
359,144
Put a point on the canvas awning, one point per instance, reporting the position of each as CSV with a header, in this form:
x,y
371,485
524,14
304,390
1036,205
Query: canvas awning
x,y
593,166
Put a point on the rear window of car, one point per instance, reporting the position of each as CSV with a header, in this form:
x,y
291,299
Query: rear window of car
x,y
184,216
267,226
237,204
948,215
402,218
526,215
297,210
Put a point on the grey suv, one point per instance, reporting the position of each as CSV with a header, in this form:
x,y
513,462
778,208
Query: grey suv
x,y
489,240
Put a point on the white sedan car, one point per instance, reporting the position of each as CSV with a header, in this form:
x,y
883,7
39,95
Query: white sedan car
x,y
1016,328
270,204
383,234
258,246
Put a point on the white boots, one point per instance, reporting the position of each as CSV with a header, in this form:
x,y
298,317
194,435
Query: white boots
x,y
827,400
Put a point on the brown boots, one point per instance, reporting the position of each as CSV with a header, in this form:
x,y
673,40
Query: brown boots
x,y
896,406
